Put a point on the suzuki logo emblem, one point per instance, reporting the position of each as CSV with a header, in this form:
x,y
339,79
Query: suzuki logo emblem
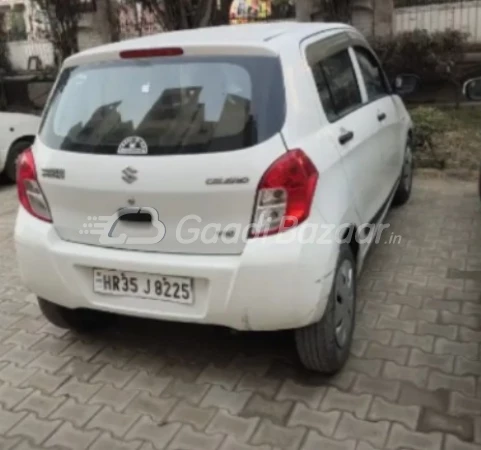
x,y
129,175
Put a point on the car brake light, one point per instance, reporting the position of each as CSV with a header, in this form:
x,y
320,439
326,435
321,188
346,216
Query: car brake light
x,y
29,192
285,194
151,52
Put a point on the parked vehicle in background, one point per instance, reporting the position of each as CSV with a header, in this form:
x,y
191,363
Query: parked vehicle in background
x,y
242,172
472,91
17,133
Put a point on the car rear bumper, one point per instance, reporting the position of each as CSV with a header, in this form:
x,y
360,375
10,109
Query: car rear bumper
x,y
270,286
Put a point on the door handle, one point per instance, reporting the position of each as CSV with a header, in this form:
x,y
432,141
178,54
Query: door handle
x,y
346,137
381,117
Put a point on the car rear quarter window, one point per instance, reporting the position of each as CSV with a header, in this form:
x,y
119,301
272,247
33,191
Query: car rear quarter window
x,y
174,105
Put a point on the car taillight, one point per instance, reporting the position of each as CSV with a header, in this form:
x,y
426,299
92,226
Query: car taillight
x,y
29,192
285,194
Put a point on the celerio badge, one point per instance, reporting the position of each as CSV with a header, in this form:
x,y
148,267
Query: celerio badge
x,y
133,145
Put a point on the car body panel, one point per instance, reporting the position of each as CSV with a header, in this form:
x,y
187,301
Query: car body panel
x,y
14,127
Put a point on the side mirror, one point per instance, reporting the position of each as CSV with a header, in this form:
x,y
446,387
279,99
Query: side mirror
x,y
406,84
472,89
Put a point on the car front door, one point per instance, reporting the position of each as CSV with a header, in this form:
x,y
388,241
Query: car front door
x,y
383,107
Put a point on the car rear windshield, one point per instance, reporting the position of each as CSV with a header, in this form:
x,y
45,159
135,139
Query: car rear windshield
x,y
166,106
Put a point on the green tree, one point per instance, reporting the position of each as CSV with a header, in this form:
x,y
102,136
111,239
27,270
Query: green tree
x,y
184,14
63,17
4,54
106,20
320,10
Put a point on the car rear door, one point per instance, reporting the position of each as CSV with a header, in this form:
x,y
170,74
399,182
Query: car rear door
x,y
161,154
353,126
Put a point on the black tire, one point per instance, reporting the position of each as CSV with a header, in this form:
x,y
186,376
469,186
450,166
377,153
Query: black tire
x,y
317,344
79,320
14,152
403,192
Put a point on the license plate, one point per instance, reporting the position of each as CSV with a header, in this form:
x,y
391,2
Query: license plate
x,y
144,285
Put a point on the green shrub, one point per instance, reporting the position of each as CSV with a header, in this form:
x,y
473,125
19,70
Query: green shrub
x,y
446,138
432,56
428,123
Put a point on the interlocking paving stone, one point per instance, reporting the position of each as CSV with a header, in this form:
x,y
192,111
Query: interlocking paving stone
x,y
400,437
231,444
465,385
401,339
36,430
386,388
258,406
68,437
189,439
114,422
372,432
357,404
324,422
315,441
462,427
447,347
416,375
463,405
310,395
106,442
277,436
407,415
219,397
413,380
454,443
418,358
253,383
196,416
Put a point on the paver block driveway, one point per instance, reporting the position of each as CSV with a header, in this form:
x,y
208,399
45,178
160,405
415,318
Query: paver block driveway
x,y
413,380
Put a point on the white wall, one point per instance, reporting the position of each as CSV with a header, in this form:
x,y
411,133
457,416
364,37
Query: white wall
x,y
465,16
20,51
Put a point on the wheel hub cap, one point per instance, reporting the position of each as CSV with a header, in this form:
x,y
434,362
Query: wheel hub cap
x,y
408,169
344,302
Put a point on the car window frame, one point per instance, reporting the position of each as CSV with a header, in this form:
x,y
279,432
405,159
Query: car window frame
x,y
323,48
387,85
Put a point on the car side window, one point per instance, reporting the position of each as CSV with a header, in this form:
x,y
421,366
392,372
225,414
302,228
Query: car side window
x,y
324,92
337,85
372,73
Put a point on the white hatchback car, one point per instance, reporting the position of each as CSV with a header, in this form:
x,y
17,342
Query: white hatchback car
x,y
220,176
17,132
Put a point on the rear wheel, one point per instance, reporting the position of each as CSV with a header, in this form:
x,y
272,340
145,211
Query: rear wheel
x,y
404,189
15,150
80,320
324,346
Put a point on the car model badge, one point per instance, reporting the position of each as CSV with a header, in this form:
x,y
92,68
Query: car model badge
x,y
129,175
133,145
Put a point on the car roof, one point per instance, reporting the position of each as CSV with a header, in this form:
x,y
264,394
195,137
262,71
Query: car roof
x,y
260,32
252,35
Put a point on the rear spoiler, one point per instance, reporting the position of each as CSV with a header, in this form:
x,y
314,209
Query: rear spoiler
x,y
114,53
